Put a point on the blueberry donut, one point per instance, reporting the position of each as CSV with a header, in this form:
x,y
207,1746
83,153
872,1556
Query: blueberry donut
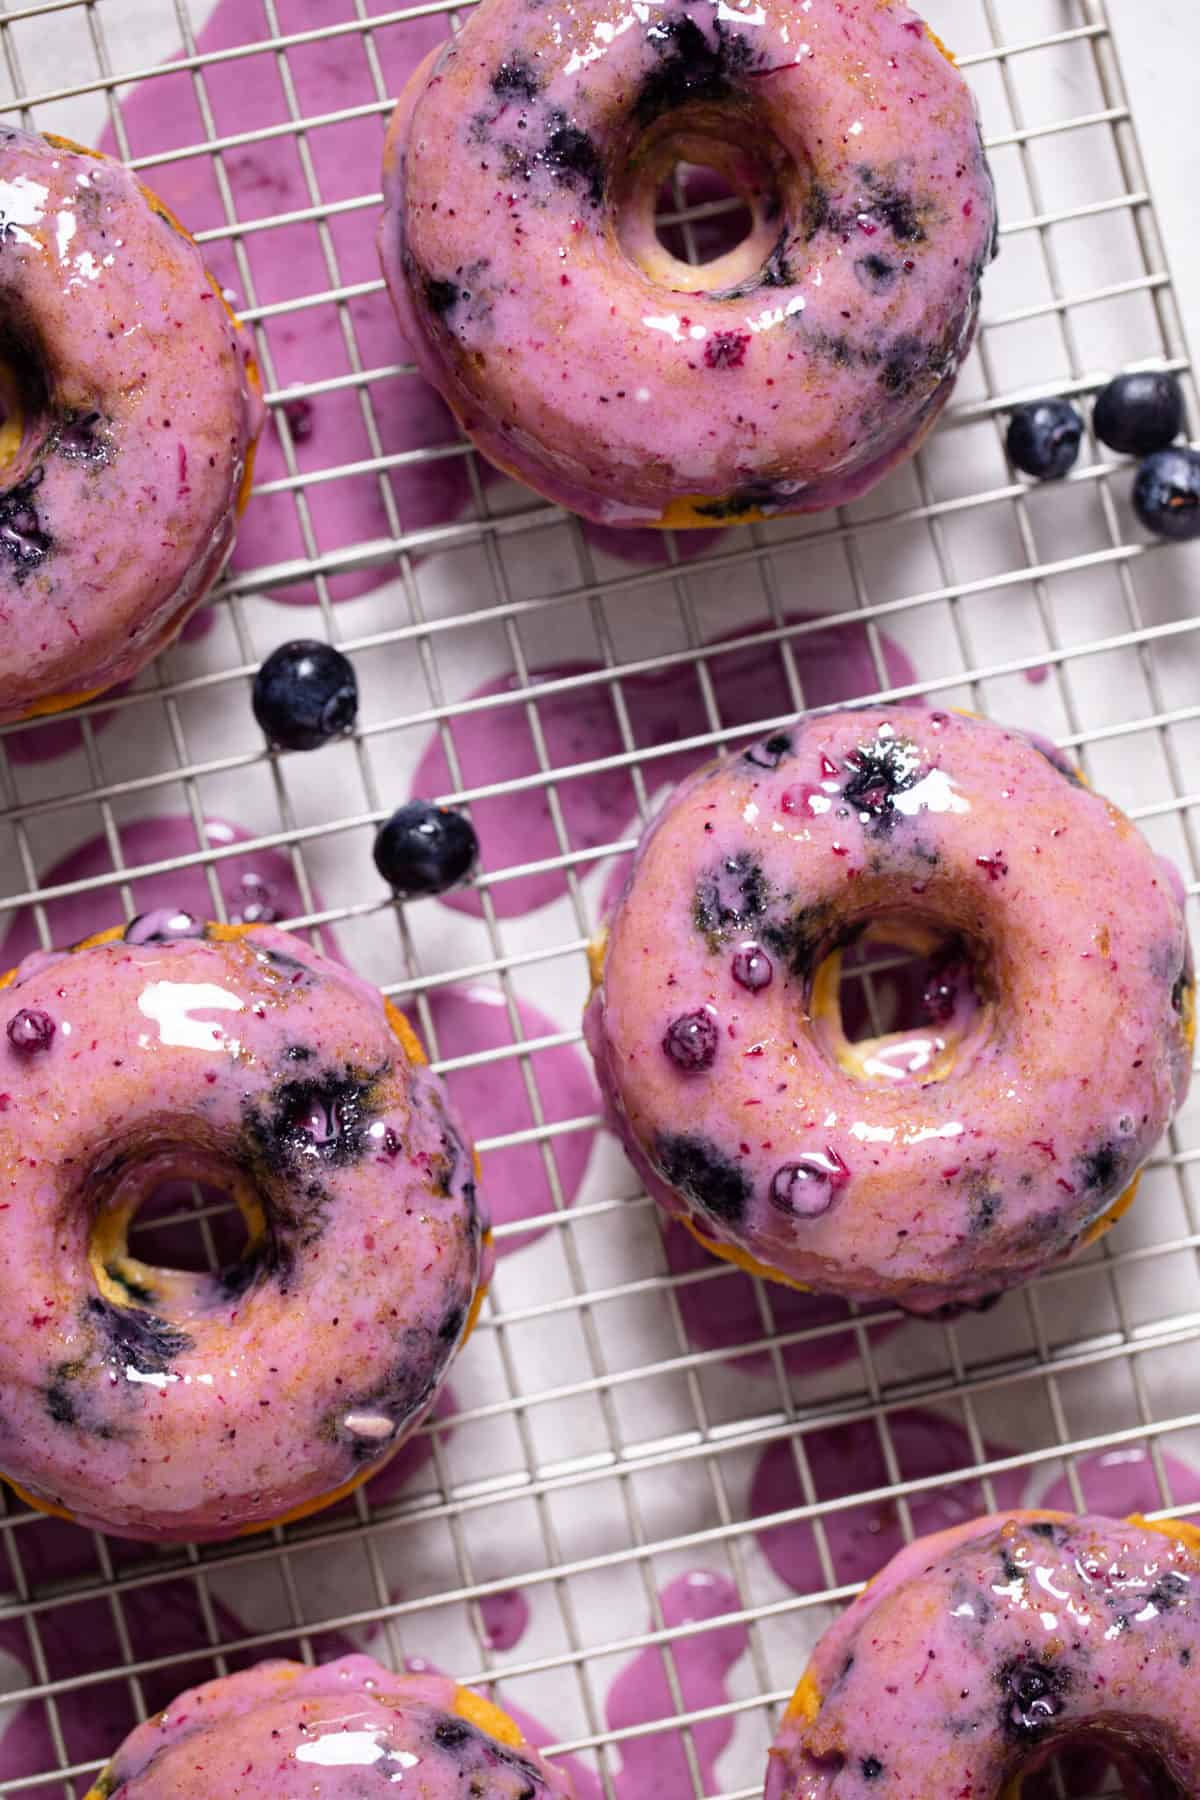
x,y
932,1167
786,376
349,1730
130,406
166,1404
980,1652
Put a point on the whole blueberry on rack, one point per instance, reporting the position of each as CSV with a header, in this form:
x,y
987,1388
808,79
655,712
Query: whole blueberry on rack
x,y
305,694
425,849
1044,439
1166,494
1138,413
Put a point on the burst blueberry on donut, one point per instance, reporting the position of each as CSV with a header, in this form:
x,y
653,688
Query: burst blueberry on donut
x,y
130,409
979,1652
936,1166
790,374
168,1404
349,1730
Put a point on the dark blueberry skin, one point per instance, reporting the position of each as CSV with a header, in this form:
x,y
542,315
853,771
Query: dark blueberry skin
x,y
1166,494
304,695
30,1032
691,1042
425,849
1044,439
752,968
1139,413
1032,1697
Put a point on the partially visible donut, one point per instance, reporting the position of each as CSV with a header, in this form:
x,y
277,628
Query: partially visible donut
x,y
935,1166
130,408
167,1404
981,1651
789,375
349,1730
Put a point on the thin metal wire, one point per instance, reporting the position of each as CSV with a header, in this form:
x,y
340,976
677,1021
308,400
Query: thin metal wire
x,y
654,1451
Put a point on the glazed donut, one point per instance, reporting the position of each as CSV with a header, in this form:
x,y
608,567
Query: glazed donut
x,y
979,1652
349,1730
786,376
130,405
934,1167
162,1404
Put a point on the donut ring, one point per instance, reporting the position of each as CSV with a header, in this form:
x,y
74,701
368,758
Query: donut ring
x,y
284,1727
131,406
936,1166
1027,1632
165,1404
789,375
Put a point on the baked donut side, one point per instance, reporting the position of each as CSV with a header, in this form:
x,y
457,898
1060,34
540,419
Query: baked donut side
x,y
170,1404
132,405
980,1651
935,1166
787,376
350,1726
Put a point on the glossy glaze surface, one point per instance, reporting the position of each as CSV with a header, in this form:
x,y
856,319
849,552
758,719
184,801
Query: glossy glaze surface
x,y
131,407
932,1166
161,1403
980,1649
349,1730
787,376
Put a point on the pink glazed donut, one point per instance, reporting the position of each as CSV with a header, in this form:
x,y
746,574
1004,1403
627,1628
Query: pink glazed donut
x,y
790,374
933,1167
163,1404
980,1652
129,410
350,1730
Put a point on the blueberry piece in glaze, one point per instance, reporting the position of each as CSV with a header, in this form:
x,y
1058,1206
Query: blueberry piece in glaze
x,y
1139,413
732,895
305,694
770,753
1166,494
23,536
573,158
441,297
31,1031
876,274
880,770
806,1188
164,925
136,1339
690,68
425,849
1044,438
691,1041
752,968
516,79
1032,1697
710,1179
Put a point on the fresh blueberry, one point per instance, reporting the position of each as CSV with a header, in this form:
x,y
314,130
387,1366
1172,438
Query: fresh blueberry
x,y
1166,494
304,694
1033,1696
1139,413
30,1032
425,849
1043,439
808,1187
752,968
691,1041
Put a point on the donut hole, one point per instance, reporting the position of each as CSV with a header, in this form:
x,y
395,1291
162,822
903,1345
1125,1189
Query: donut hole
x,y
24,407
901,1000
1092,1766
194,1226
699,215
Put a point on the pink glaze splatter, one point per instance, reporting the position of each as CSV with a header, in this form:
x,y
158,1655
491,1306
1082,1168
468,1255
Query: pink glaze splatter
x,y
722,1313
834,664
505,1618
1122,1481
848,1459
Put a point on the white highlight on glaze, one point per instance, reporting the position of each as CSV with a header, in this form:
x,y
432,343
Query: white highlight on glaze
x,y
171,1004
935,793
353,1750
775,315
22,208
376,1426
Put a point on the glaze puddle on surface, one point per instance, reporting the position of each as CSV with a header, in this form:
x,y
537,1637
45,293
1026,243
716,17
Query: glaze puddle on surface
x,y
288,262
505,1618
580,725
849,1459
725,1312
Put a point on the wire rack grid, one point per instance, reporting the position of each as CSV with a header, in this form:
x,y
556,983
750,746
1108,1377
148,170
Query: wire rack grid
x,y
601,1444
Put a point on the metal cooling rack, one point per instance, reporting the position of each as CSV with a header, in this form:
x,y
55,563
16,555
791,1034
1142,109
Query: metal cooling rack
x,y
596,1452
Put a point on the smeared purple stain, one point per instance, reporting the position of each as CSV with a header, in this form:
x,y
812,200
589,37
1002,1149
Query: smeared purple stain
x,y
255,885
493,1097
505,1618
655,1767
580,725
722,1313
849,1459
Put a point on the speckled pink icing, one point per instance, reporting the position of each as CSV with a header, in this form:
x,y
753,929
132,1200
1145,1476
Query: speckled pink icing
x,y
349,1730
979,1651
164,1404
935,1166
140,409
518,242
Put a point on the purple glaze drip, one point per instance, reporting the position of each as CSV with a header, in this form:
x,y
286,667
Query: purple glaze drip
x,y
691,1041
505,1618
164,925
30,1032
752,968
807,1188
